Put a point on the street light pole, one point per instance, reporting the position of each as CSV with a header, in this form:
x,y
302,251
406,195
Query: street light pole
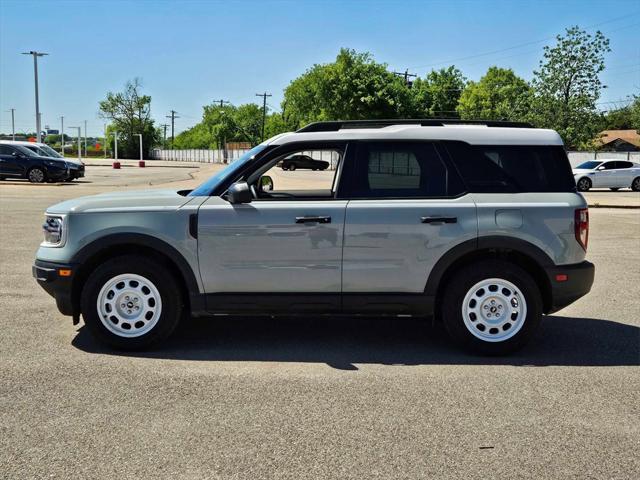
x,y
13,125
35,74
85,138
140,135
79,142
62,133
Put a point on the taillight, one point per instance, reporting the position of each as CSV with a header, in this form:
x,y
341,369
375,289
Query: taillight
x,y
581,227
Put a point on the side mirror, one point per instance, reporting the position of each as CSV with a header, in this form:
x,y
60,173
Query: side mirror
x,y
239,192
601,167
265,184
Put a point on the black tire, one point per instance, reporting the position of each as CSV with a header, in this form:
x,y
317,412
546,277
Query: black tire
x,y
2,178
464,280
584,184
151,270
614,189
36,175
292,167
635,185
285,167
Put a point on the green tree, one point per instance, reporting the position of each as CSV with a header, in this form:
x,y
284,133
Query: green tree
x,y
437,94
567,86
352,87
623,118
130,114
499,95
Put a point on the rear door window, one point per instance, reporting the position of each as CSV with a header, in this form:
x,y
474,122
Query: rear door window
x,y
402,170
513,168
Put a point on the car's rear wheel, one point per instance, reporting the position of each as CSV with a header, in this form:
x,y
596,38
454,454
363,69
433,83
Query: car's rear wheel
x,y
36,175
584,184
635,185
491,307
131,302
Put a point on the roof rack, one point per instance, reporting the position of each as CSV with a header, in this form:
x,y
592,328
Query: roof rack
x,y
334,126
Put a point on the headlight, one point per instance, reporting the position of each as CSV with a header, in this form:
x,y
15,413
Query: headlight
x,y
53,230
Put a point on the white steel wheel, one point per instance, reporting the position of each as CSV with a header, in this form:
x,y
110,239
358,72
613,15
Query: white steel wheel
x,y
494,310
129,305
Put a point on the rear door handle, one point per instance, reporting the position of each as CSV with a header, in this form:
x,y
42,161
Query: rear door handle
x,y
436,220
320,219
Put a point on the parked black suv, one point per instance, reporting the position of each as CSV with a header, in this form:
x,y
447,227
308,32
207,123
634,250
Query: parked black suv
x,y
20,162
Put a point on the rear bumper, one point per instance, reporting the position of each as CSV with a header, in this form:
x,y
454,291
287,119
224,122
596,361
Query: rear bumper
x,y
47,274
579,279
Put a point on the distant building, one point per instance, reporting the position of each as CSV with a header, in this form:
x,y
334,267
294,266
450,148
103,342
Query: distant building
x,y
619,141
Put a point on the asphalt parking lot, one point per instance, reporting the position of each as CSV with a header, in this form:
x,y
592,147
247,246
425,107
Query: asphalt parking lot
x,y
314,398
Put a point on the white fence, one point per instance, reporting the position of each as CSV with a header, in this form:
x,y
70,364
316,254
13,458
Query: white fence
x,y
196,155
229,156
576,158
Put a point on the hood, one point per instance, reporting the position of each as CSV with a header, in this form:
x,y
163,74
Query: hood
x,y
129,201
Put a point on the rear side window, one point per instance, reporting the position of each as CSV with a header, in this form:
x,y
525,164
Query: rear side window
x,y
513,168
402,170
624,164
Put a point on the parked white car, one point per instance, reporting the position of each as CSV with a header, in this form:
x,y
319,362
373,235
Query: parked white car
x,y
612,174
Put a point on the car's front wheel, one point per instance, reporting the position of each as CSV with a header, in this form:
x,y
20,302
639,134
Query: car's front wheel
x,y
584,184
491,307
292,166
131,302
36,175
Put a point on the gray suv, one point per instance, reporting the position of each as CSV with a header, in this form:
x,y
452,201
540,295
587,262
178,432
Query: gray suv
x,y
476,223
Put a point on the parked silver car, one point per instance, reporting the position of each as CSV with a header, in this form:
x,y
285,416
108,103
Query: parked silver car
x,y
478,224
612,174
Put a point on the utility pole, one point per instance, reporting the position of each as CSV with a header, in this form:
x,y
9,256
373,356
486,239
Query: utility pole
x,y
406,76
85,138
173,117
62,133
13,125
264,110
35,74
164,136
222,102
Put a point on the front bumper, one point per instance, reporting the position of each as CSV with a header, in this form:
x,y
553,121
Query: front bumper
x,y
77,172
579,279
58,286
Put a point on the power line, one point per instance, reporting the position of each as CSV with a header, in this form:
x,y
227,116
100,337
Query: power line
x,y
222,102
484,54
406,76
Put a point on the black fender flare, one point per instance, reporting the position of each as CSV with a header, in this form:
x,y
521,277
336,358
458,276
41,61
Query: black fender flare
x,y
141,240
490,242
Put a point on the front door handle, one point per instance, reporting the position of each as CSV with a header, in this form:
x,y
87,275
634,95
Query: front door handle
x,y
320,219
438,220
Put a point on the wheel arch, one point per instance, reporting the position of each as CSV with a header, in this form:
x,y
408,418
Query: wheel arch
x,y
96,252
520,252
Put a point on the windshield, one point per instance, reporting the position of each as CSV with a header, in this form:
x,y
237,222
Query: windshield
x,y
231,169
589,165
50,152
27,151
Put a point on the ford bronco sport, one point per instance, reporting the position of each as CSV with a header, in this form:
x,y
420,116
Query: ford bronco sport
x,y
476,223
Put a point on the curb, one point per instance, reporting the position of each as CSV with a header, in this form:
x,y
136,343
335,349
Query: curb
x,y
598,205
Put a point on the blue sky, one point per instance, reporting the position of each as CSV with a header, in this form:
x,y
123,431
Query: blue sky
x,y
189,53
